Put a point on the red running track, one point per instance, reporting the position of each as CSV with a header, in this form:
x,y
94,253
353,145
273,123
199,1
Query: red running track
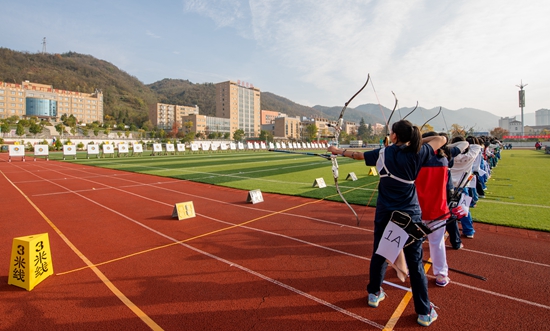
x,y
122,262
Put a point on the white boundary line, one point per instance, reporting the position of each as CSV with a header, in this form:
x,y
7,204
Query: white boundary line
x,y
232,264
316,245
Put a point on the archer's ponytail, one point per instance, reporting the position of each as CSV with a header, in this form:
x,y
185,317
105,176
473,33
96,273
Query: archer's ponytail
x,y
409,134
416,139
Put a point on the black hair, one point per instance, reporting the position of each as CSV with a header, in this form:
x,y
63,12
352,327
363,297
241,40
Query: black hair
x,y
409,134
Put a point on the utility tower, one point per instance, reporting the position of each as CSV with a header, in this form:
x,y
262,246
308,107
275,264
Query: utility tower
x,y
522,104
44,45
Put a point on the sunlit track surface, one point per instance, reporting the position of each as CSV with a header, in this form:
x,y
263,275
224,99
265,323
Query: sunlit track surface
x,y
286,263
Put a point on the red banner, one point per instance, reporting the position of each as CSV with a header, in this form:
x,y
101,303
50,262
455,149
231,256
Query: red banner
x,y
546,136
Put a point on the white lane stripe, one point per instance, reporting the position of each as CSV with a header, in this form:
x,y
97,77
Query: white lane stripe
x,y
341,252
288,287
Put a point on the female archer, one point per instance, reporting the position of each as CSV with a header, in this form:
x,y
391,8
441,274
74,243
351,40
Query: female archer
x,y
398,166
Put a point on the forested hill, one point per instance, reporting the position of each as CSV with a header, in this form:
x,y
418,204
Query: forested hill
x,y
126,98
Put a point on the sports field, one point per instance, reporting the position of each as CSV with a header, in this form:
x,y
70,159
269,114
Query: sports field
x,y
516,194
120,261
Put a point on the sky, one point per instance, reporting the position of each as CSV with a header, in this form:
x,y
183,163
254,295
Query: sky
x,y
450,53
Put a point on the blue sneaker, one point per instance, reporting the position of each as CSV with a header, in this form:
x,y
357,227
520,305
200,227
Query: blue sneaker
x,y
427,320
374,299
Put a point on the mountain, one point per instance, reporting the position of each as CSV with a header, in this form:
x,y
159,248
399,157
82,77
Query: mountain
x,y
480,120
126,99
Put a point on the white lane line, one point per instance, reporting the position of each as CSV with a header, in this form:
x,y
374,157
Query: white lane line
x,y
288,287
338,224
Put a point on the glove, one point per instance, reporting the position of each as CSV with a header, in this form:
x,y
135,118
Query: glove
x,y
459,212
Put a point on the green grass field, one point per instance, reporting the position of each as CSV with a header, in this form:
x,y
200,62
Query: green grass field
x,y
516,195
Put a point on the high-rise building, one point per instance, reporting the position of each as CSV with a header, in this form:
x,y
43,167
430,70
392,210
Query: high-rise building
x,y
542,117
43,101
240,103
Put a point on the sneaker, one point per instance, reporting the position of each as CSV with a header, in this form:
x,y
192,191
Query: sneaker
x,y
459,247
470,236
427,320
441,280
374,299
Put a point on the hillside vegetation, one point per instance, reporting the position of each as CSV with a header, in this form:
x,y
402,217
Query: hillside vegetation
x,y
126,98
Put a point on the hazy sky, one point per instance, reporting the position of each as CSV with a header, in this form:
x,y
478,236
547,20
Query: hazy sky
x,y
450,53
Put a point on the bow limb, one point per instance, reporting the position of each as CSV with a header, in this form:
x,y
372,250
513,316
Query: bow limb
x,y
335,174
337,129
340,121
430,119
387,138
412,111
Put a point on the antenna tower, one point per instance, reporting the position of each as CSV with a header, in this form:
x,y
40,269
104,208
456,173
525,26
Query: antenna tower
x,y
44,45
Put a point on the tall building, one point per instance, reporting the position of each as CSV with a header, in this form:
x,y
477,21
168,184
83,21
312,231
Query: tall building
x,y
43,101
240,103
542,117
164,115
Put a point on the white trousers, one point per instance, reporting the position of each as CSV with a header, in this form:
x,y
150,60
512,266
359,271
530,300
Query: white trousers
x,y
438,253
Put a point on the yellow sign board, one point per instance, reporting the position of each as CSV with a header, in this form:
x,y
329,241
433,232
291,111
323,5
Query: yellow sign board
x,y
31,261
183,210
373,172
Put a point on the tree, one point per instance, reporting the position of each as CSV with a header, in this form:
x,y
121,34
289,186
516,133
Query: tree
x,y
20,130
311,132
238,135
427,128
457,130
175,129
499,133
35,128
5,127
266,136
147,125
188,126
363,130
162,134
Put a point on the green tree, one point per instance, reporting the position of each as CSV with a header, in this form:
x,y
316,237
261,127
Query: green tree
x,y
162,134
58,144
188,137
238,135
311,132
266,136
35,128
60,128
20,130
147,126
5,127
